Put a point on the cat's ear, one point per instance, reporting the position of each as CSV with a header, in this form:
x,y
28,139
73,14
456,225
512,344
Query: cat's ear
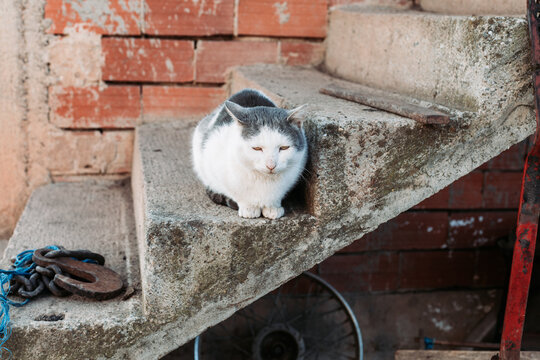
x,y
237,112
294,116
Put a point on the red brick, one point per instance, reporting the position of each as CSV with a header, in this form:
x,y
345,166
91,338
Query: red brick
x,y
511,159
410,230
365,272
466,193
148,60
502,190
400,3
189,18
430,270
291,18
437,201
178,102
301,53
92,107
492,269
89,152
478,229
102,17
215,57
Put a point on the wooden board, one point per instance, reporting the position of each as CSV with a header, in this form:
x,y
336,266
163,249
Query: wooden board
x,y
392,103
456,355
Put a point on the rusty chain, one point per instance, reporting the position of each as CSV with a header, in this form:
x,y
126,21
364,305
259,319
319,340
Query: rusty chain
x,y
42,278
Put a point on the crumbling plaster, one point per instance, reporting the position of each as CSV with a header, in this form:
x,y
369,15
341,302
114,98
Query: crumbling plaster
x,y
24,76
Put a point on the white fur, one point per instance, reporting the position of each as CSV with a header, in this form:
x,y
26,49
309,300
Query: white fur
x,y
228,165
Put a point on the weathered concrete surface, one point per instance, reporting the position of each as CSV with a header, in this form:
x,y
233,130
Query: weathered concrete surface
x,y
35,82
12,136
200,261
479,64
98,217
23,100
3,245
475,7
368,167
457,355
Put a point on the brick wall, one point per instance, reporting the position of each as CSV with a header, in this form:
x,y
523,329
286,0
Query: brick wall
x,y
448,241
117,64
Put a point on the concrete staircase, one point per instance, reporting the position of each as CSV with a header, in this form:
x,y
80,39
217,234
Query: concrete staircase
x,y
193,263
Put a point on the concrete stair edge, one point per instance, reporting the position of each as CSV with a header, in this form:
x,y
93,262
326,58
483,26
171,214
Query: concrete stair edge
x,y
470,63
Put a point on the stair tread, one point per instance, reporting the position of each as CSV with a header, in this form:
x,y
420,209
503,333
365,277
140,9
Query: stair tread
x,y
172,187
97,217
293,86
470,63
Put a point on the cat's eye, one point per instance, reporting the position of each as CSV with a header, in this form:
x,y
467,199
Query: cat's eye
x,y
283,148
256,148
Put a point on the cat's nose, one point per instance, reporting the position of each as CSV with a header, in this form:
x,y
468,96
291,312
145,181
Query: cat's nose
x,y
270,167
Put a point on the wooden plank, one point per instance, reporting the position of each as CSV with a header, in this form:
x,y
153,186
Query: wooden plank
x,y
456,355
388,102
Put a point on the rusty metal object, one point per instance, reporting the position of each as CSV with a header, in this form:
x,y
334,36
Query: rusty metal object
x,y
102,283
529,212
392,103
77,254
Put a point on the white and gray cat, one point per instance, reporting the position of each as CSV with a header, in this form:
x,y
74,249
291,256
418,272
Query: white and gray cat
x,y
249,153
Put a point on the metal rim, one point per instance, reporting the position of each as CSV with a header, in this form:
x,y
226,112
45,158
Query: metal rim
x,y
337,296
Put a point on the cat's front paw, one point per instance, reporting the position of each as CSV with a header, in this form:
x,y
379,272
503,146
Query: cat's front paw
x,y
249,212
273,212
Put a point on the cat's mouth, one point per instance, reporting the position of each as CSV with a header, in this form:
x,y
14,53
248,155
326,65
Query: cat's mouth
x,y
270,172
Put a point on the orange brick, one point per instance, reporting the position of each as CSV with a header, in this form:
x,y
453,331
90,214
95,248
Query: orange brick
x,y
431,269
215,57
114,17
466,193
147,60
362,272
191,18
89,152
300,18
301,53
180,102
90,107
437,201
502,190
480,228
396,3
410,230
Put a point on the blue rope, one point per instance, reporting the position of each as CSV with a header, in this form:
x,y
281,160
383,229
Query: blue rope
x,y
429,343
23,265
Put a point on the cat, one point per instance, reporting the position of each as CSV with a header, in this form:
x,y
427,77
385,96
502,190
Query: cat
x,y
249,153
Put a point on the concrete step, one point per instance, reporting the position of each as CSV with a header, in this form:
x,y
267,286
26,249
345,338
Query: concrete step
x,y
94,216
474,63
475,7
457,355
378,162
200,262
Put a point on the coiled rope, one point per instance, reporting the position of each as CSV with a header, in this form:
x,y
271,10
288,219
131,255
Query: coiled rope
x,y
23,280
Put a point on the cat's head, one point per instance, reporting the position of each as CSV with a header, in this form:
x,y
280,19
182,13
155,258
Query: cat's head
x,y
271,140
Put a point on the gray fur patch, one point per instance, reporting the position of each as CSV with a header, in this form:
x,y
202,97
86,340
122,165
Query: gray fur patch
x,y
221,199
274,119
247,98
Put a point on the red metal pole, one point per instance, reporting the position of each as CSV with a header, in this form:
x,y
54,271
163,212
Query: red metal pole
x,y
527,228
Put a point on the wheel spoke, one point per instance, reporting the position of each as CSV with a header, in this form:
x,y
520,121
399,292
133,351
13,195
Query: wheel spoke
x,y
307,306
